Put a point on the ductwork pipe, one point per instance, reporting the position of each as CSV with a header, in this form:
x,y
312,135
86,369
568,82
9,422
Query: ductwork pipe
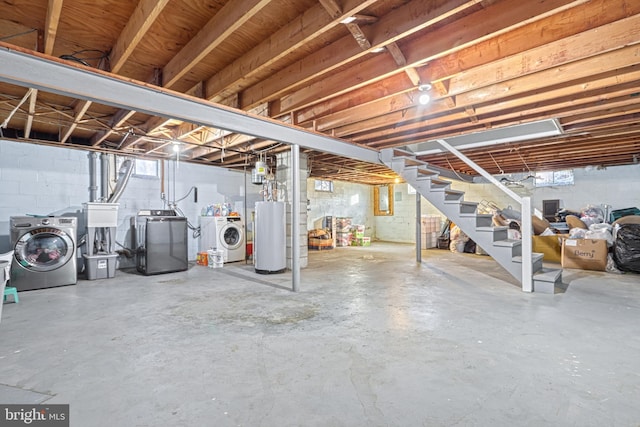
x,y
93,186
123,179
104,176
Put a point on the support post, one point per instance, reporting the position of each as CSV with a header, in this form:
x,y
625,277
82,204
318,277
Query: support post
x,y
526,226
526,230
418,228
295,216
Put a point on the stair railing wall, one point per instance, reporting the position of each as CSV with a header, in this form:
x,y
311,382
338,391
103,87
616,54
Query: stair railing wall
x,y
525,209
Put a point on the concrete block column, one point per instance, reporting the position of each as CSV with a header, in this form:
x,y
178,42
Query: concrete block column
x,y
283,178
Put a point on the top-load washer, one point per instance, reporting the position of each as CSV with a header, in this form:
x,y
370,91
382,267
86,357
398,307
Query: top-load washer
x,y
44,251
223,233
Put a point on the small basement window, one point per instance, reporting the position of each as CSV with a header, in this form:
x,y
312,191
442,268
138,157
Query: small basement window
x,y
146,168
324,185
141,168
548,179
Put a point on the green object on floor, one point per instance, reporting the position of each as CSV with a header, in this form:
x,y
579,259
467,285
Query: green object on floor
x,y
10,290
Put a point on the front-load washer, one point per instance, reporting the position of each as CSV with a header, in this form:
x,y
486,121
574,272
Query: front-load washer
x,y
223,233
44,252
231,239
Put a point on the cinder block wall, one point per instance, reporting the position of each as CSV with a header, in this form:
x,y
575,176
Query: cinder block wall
x,y
615,186
347,200
44,180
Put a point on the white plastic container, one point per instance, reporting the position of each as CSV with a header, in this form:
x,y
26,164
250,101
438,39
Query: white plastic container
x,y
215,258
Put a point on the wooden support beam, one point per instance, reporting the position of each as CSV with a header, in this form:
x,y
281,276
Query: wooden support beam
x,y
359,35
441,69
624,32
332,7
54,10
144,15
32,111
231,17
401,61
403,21
117,121
471,112
141,20
574,71
488,22
304,28
79,110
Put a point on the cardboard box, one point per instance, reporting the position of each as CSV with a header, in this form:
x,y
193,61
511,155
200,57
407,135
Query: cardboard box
x,y
429,240
430,223
202,259
549,246
362,241
585,254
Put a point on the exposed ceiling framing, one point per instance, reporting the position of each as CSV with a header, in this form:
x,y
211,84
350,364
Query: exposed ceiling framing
x,y
490,64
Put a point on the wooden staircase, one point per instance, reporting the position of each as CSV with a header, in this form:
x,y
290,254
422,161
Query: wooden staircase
x,y
479,227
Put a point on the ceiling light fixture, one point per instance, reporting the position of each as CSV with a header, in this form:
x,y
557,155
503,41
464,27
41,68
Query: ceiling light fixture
x,y
348,20
424,97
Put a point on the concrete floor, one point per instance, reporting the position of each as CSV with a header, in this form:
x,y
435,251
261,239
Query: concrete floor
x,y
372,339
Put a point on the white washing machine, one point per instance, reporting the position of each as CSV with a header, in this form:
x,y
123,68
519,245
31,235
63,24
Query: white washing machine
x,y
223,233
44,252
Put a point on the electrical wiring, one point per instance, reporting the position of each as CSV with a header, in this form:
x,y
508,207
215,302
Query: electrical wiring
x,y
186,195
196,230
84,60
11,36
452,169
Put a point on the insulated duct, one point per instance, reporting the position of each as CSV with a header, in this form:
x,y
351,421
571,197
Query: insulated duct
x,y
123,179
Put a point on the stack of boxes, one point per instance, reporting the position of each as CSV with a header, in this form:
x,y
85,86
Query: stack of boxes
x,y
359,239
343,232
430,227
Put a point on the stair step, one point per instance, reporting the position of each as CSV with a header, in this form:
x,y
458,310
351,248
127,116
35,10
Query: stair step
x,y
465,207
492,229
408,161
535,256
548,275
436,184
545,280
420,170
399,152
388,154
453,194
510,243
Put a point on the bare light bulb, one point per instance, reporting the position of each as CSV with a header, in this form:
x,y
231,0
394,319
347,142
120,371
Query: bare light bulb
x,y
424,99
176,148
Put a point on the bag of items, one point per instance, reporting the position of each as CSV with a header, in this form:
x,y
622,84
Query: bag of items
x,y
626,248
600,231
592,215
458,240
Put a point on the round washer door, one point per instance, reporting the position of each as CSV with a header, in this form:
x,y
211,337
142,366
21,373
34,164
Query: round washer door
x,y
44,249
231,236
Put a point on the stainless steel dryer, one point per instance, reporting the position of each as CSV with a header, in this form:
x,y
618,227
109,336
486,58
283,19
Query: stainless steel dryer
x,y
44,251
